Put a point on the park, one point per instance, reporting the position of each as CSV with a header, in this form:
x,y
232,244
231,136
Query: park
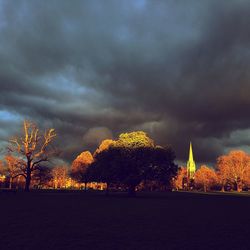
x,y
124,124
92,220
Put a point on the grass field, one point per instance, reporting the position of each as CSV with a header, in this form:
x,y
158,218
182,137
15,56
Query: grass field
x,y
76,220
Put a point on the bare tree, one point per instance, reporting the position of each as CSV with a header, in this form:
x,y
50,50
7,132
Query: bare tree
x,y
33,148
60,176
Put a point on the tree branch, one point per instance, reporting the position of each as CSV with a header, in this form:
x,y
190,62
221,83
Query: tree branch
x,y
37,162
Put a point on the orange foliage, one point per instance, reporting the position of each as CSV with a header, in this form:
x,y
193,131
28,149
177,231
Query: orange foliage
x,y
180,179
2,176
83,158
206,177
1,166
105,144
13,166
60,176
235,168
80,165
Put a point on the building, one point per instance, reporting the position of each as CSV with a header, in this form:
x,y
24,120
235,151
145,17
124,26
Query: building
x,y
191,167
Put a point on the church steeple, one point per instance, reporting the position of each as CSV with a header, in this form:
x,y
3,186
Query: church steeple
x,y
191,163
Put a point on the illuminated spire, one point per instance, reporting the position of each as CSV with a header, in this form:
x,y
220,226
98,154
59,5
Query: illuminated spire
x,y
191,157
191,163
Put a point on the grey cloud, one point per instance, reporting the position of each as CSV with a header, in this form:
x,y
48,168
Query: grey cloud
x,y
177,69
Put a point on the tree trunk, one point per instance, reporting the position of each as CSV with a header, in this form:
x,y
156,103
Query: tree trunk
x,y
223,187
18,181
85,186
131,190
205,188
239,186
28,178
107,189
10,184
27,184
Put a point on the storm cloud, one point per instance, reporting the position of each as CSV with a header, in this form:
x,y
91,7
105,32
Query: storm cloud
x,y
178,70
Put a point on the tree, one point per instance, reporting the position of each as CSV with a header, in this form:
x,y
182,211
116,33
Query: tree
x,y
205,177
163,167
105,144
247,179
42,176
134,157
79,167
105,167
2,173
60,176
131,159
32,148
136,139
223,172
1,167
12,169
180,180
234,168
133,166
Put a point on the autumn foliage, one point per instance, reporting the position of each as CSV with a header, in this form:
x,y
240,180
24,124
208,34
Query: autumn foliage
x,y
60,176
232,172
80,165
234,169
180,181
205,177
105,144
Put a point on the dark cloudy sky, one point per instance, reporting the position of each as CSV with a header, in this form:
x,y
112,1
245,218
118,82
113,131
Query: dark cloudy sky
x,y
179,70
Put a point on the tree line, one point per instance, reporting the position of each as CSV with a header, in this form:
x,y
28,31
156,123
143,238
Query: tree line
x,y
232,172
131,162
121,164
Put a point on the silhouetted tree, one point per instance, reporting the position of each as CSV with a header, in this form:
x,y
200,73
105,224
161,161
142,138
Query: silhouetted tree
x,y
134,158
164,168
42,176
131,159
105,167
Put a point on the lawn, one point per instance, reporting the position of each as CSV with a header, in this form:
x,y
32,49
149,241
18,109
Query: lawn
x,y
77,220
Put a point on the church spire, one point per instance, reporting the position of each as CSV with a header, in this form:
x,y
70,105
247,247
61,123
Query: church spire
x,y
191,157
191,163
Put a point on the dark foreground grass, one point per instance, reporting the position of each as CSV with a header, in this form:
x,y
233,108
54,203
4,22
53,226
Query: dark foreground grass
x,y
73,220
